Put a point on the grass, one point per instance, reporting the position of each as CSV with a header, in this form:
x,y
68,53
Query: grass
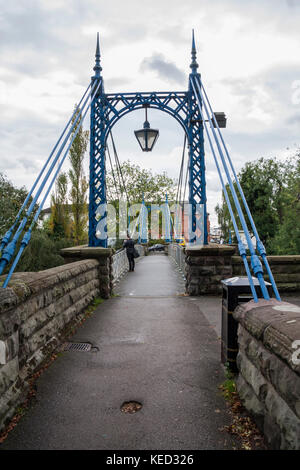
x,y
228,387
94,304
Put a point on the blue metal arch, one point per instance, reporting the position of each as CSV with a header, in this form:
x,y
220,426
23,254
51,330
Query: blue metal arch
x,y
154,105
106,111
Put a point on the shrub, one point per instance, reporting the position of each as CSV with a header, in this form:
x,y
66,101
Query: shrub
x,y
42,253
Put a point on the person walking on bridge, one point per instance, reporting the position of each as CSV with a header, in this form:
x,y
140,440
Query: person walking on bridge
x,y
129,245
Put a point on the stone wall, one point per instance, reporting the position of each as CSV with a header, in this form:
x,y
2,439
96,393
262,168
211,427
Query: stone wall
x,y
206,266
105,262
285,269
269,369
112,265
34,312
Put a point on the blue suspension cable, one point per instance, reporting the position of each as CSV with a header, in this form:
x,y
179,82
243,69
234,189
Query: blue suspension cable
x,y
255,262
240,243
259,244
10,249
179,191
8,234
180,179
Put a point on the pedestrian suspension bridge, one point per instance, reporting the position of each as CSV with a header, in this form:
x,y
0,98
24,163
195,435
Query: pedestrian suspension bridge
x,y
193,111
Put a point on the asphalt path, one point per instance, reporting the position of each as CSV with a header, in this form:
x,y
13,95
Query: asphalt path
x,y
152,345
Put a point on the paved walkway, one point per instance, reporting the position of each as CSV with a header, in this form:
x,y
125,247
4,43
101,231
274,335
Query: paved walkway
x,y
156,347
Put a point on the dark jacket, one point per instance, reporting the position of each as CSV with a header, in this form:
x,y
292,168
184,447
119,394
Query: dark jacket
x,y
129,245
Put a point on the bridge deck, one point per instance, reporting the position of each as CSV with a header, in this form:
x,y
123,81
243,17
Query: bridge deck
x,y
156,347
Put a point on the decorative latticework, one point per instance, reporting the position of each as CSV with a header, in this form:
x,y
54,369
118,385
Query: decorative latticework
x,y
197,185
107,110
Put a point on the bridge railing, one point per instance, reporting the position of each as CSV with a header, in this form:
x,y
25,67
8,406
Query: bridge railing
x,y
120,262
177,252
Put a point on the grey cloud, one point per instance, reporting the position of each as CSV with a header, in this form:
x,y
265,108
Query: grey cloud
x,y
264,144
175,34
43,40
292,3
37,40
28,145
28,25
294,119
276,84
164,69
120,33
115,82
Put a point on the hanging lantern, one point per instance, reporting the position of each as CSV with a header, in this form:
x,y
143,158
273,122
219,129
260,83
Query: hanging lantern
x,y
146,137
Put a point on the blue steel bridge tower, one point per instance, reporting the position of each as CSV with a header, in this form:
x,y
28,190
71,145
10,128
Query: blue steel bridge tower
x,y
108,108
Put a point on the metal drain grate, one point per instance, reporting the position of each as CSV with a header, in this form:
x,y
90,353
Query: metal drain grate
x,y
84,347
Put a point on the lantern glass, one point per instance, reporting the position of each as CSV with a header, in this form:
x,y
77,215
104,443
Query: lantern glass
x,y
146,138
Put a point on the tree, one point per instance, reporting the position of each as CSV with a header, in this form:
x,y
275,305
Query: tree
x,y
269,186
11,200
41,253
140,182
224,218
287,238
59,224
79,185
263,183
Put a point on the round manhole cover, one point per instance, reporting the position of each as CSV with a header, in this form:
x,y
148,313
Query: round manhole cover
x,y
131,407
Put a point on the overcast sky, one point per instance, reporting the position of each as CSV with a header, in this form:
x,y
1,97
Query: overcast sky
x,y
248,55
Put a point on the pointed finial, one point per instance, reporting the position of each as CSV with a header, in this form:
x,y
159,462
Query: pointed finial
x,y
97,67
194,64
193,41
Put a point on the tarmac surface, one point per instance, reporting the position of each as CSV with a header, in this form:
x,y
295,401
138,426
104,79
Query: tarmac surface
x,y
153,345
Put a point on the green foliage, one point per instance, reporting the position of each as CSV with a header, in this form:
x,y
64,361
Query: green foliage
x,y
141,182
60,223
228,387
287,238
156,241
79,185
272,191
11,200
119,244
97,301
42,253
93,305
224,218
263,183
